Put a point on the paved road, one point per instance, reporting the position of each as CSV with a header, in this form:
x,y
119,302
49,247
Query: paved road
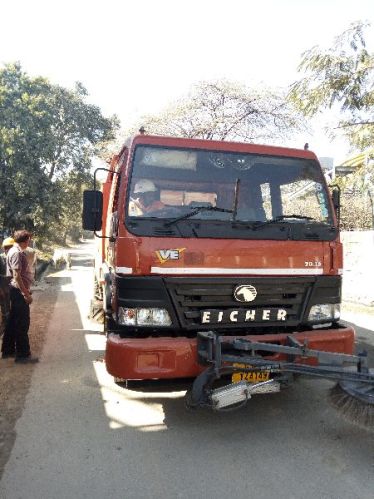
x,y
83,436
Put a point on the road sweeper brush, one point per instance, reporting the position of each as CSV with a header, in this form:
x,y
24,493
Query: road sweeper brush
x,y
260,367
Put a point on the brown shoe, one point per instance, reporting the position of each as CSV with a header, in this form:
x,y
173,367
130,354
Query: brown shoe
x,y
26,360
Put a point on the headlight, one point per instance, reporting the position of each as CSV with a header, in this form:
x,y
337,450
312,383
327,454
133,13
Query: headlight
x,y
325,312
143,317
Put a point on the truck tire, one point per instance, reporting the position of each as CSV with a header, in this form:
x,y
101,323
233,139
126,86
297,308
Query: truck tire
x,y
96,311
96,305
97,292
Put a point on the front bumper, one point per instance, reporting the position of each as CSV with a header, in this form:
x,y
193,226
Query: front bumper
x,y
156,358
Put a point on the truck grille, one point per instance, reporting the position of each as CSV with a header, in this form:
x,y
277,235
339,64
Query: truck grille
x,y
215,297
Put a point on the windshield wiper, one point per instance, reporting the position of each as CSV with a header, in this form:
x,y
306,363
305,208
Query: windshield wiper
x,y
281,218
236,196
195,211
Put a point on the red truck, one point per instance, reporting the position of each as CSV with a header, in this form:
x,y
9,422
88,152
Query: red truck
x,y
218,260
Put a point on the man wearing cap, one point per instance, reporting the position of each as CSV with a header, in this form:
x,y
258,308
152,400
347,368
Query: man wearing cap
x,y
4,285
146,199
16,341
6,245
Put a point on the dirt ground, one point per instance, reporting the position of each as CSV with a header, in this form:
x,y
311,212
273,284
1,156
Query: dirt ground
x,y
15,379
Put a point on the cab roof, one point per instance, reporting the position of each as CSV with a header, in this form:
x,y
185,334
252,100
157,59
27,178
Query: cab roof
x,y
217,145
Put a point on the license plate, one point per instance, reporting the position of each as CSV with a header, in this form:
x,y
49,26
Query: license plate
x,y
250,377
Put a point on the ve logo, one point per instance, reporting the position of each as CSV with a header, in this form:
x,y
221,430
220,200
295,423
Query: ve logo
x,y
169,254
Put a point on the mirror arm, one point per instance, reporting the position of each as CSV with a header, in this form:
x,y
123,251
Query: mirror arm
x,y
95,208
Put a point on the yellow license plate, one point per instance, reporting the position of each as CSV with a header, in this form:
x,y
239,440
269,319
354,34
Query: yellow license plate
x,y
251,377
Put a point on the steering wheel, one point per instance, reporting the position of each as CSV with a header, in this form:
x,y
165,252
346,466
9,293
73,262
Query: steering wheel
x,y
168,211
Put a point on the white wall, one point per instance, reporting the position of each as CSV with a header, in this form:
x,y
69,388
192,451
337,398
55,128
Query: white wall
x,y
358,277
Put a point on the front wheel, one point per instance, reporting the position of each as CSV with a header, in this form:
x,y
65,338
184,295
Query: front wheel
x,y
96,311
96,305
97,291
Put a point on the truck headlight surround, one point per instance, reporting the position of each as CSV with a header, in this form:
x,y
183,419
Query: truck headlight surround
x,y
143,317
324,312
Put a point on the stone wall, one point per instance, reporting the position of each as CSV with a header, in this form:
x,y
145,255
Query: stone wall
x,y
358,276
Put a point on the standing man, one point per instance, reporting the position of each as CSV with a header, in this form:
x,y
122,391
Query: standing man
x,y
4,285
6,245
16,340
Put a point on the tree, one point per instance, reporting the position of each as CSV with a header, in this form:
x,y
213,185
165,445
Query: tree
x,y
46,132
223,110
357,194
70,191
340,78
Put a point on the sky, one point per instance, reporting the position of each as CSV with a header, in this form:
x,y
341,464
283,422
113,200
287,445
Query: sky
x,y
135,57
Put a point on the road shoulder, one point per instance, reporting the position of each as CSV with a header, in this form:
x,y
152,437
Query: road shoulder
x,y
15,379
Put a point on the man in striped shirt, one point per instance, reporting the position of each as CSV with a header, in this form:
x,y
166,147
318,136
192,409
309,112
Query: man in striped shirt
x,y
16,340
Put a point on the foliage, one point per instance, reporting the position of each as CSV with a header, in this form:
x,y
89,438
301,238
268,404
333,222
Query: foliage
x,y
357,198
356,211
69,194
341,78
48,136
223,110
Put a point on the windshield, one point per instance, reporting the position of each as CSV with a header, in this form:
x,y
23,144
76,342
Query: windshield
x,y
185,185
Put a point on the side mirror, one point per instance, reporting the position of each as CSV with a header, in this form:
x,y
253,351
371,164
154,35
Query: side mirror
x,y
92,210
336,198
335,195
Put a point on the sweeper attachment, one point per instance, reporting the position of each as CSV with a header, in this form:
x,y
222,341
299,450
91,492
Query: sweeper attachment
x,y
255,368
